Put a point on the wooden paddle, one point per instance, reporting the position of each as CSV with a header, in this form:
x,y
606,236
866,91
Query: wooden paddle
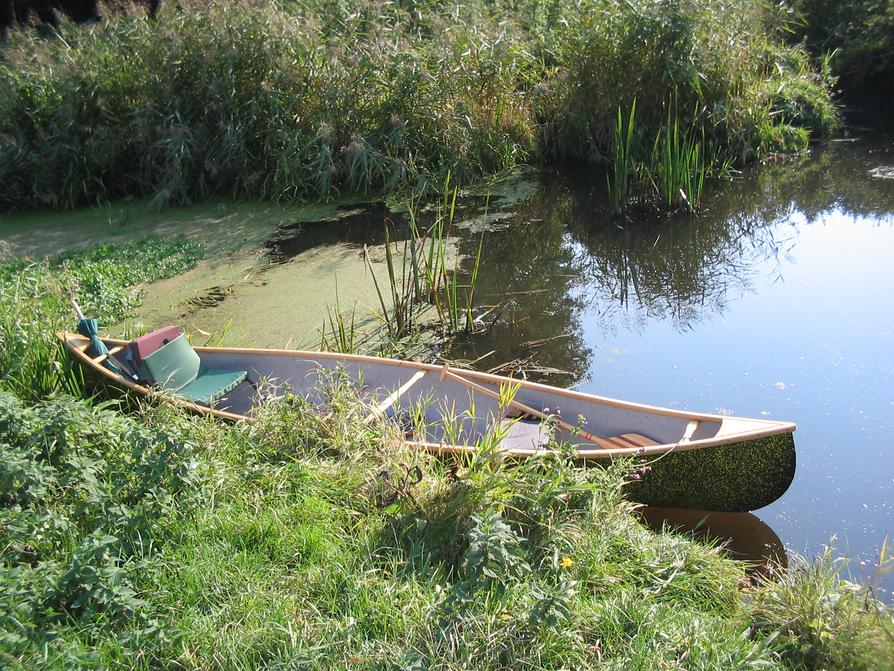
x,y
447,373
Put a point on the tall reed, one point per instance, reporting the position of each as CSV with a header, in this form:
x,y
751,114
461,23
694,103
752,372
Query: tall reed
x,y
677,167
623,168
422,279
337,333
304,100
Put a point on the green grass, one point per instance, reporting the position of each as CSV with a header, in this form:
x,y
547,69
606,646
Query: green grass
x,y
160,541
36,304
305,100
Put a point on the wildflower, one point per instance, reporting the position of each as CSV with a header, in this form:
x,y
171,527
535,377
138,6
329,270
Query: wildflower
x,y
546,410
635,476
566,562
505,615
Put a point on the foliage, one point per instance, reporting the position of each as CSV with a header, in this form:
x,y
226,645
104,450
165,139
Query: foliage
x,y
32,309
858,35
103,278
671,176
87,498
299,100
823,621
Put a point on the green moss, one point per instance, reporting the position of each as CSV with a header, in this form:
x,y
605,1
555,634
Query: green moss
x,y
731,478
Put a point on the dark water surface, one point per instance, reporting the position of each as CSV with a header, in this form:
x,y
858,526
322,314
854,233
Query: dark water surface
x,y
777,302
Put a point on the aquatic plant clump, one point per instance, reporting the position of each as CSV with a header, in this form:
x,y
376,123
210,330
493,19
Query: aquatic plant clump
x,y
302,100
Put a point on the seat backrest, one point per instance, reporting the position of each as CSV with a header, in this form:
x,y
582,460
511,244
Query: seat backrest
x,y
145,345
173,366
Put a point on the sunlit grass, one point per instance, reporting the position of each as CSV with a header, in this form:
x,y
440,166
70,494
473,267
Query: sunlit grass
x,y
154,539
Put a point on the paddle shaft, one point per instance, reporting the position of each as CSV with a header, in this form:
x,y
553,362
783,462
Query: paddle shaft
x,y
77,308
446,372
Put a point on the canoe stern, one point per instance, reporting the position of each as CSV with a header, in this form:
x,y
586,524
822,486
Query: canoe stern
x,y
737,477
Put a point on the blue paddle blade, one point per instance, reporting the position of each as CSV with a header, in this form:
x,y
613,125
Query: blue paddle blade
x,y
89,328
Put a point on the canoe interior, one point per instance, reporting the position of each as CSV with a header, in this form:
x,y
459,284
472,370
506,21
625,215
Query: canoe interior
x,y
453,412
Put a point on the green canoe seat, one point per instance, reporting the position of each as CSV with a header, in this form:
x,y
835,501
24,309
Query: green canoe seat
x,y
176,367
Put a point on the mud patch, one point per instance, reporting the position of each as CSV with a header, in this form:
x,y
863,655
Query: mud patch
x,y
210,299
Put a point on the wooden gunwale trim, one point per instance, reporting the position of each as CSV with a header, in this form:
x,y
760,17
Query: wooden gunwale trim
x,y
605,453
763,428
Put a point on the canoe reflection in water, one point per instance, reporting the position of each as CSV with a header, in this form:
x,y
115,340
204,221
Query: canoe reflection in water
x,y
744,535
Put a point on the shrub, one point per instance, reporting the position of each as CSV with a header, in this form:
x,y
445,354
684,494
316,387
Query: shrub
x,y
87,497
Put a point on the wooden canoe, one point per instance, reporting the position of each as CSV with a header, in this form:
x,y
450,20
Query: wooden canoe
x,y
703,461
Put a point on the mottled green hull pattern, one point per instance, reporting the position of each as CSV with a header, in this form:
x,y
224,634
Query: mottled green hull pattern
x,y
729,478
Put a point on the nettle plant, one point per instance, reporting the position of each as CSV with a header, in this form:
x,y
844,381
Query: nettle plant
x,y
87,496
523,520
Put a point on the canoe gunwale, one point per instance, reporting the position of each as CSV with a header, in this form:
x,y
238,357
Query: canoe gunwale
x,y
763,428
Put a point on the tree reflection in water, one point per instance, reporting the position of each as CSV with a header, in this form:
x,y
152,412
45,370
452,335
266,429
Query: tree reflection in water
x,y
561,258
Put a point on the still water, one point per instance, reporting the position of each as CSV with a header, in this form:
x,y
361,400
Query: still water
x,y
777,301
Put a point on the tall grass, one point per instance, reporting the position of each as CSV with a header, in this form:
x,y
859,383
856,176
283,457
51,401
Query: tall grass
x,y
623,167
672,175
678,165
304,100
421,281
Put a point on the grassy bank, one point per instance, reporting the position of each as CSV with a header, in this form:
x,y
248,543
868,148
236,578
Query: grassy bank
x,y
150,539
302,100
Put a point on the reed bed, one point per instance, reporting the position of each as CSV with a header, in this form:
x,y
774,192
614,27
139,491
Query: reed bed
x,y
299,100
423,293
669,177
